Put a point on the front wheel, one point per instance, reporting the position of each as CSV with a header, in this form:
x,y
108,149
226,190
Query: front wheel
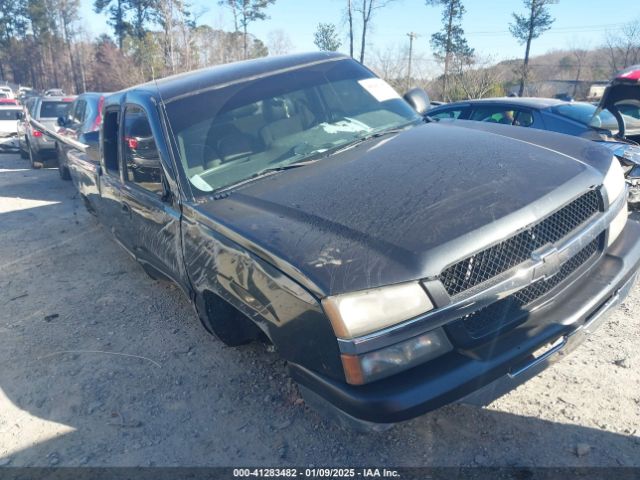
x,y
228,324
23,153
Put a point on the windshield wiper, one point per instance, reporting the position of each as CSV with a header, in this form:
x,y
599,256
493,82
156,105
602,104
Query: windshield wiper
x,y
264,173
314,156
378,134
288,166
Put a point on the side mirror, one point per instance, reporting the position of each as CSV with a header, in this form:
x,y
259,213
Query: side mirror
x,y
418,99
61,122
19,116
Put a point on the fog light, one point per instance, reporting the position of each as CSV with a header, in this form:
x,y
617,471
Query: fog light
x,y
395,358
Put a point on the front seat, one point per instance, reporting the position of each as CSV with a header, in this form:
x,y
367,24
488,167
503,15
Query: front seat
x,y
225,142
283,118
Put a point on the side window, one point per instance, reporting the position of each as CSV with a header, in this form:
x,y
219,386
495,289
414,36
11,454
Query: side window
x,y
110,142
30,106
447,114
78,113
524,118
141,158
75,113
494,114
504,114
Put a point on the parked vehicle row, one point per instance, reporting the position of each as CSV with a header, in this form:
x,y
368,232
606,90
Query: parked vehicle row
x,y
81,123
9,118
40,149
396,263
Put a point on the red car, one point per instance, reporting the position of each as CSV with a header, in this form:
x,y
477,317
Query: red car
x,y
622,99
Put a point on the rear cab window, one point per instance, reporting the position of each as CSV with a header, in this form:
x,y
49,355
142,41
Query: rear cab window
x,y
49,109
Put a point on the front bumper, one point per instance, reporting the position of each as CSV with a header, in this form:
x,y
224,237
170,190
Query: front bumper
x,y
487,372
43,146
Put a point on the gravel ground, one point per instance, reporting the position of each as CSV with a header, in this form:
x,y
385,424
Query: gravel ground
x,y
102,366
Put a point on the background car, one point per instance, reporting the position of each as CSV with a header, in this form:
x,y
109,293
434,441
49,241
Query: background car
x,y
82,124
6,100
33,144
572,118
7,90
579,119
9,116
54,92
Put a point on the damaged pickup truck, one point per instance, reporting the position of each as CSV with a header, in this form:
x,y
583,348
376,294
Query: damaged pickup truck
x,y
396,265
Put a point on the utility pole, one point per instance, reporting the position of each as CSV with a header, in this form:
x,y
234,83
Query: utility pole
x,y
412,36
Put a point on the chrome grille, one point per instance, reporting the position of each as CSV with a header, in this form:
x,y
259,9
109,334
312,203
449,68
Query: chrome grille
x,y
499,258
507,311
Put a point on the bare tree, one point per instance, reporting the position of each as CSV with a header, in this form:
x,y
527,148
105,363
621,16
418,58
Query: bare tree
x,y
475,77
580,56
68,16
390,63
366,10
527,27
350,19
279,42
624,46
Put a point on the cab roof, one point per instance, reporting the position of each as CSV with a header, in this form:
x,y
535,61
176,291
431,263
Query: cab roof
x,y
184,84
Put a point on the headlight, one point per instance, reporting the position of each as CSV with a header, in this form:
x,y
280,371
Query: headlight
x,y
614,181
359,313
617,225
401,356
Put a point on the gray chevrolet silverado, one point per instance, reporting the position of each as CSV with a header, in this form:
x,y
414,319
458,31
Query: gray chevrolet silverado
x,y
397,265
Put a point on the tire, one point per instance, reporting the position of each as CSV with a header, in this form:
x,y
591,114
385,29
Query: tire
x,y
231,326
63,171
23,153
34,158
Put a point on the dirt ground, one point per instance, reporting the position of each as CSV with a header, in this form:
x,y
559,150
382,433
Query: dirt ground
x,y
102,366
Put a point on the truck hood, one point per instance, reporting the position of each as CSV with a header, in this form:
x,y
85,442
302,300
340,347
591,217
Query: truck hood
x,y
405,206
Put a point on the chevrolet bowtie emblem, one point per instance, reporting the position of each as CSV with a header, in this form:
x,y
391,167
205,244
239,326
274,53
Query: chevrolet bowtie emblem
x,y
548,263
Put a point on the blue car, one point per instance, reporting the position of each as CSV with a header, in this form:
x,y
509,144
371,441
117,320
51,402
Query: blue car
x,y
579,119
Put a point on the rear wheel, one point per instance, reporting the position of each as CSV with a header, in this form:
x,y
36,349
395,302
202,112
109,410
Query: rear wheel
x,y
23,153
34,158
62,169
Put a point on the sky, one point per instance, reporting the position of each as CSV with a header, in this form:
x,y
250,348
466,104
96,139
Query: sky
x,y
578,22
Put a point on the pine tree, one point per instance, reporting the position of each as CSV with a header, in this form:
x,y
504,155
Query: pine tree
x,y
526,27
